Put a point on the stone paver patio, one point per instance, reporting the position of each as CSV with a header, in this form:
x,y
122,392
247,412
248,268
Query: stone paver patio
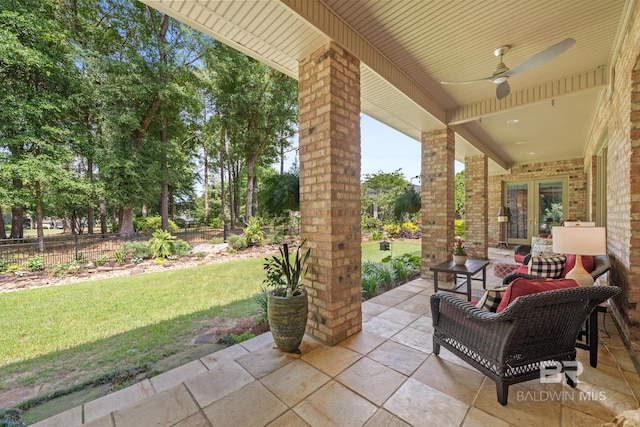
x,y
384,376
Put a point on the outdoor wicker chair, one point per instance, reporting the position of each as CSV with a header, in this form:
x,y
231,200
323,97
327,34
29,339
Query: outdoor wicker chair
x,y
511,346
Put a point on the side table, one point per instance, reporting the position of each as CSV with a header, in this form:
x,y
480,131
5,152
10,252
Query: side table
x,y
468,270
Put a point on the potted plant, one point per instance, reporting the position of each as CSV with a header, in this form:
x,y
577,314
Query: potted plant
x,y
459,252
407,202
287,304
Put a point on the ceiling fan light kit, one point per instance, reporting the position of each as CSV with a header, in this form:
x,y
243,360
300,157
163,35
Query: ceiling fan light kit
x,y
500,76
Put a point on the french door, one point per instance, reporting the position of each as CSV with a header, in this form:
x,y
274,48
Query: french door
x,y
535,207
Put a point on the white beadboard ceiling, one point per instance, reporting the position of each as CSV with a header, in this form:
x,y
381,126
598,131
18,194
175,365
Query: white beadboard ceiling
x,y
407,47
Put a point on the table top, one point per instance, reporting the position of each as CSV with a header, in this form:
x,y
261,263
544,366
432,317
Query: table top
x,y
472,266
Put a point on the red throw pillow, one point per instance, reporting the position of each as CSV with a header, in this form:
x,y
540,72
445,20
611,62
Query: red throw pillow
x,y
587,263
521,286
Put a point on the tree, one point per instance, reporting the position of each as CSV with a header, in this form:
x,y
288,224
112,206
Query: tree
x,y
280,193
257,109
382,189
37,87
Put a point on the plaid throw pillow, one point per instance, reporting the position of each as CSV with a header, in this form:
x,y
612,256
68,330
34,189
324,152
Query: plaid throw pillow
x,y
547,267
491,299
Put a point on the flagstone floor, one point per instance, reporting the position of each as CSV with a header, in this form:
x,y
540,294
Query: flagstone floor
x,y
384,376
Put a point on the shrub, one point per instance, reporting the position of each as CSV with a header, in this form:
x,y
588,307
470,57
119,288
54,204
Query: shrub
x,y
216,240
253,233
261,300
152,223
162,244
181,248
458,226
119,256
237,242
135,249
15,269
377,235
276,237
369,223
35,263
102,259
369,285
392,230
215,222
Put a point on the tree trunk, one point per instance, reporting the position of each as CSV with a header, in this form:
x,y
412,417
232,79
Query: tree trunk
x,y
205,193
222,204
90,219
251,175
164,200
126,230
103,217
17,214
39,217
3,233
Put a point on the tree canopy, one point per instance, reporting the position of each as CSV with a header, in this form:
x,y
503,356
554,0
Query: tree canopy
x,y
116,108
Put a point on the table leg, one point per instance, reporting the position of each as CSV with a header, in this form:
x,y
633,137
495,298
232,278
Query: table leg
x,y
469,287
435,281
484,278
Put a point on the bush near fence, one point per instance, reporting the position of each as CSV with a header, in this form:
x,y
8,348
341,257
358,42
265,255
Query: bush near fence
x,y
61,249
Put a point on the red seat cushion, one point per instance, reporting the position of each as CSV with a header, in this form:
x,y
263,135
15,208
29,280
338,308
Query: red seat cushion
x,y
521,286
524,269
519,258
587,263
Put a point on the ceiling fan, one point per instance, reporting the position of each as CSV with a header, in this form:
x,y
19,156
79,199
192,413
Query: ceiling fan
x,y
500,76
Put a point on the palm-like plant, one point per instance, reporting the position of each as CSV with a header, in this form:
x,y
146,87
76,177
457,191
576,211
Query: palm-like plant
x,y
284,274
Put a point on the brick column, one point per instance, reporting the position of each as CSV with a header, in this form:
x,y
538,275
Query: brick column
x,y
437,194
329,96
476,175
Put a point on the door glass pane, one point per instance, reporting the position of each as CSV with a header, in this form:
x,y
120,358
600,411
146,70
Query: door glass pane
x,y
549,206
518,204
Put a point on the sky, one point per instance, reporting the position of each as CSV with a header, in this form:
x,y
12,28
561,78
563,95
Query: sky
x,y
387,150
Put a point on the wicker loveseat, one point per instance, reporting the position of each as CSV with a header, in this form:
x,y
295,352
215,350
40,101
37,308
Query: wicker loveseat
x,y
509,347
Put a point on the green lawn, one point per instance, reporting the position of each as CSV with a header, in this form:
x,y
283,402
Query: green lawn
x,y
62,335
131,321
371,250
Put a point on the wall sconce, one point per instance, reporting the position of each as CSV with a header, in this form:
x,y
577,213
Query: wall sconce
x,y
503,218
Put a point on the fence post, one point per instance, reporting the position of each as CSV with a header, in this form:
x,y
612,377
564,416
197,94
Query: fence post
x,y
75,238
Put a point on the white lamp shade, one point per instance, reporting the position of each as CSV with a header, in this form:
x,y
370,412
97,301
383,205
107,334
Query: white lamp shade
x,y
580,240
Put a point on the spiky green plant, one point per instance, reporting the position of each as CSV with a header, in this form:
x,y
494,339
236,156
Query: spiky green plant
x,y
286,275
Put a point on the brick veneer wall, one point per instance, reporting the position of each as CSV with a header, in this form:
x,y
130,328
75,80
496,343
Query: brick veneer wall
x,y
617,123
476,170
437,195
329,97
577,188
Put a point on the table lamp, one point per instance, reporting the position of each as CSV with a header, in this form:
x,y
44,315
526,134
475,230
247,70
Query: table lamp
x,y
580,241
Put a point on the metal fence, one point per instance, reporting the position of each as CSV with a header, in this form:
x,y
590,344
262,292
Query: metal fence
x,y
61,249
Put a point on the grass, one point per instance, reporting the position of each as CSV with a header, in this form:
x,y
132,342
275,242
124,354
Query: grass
x,y
94,327
63,335
371,250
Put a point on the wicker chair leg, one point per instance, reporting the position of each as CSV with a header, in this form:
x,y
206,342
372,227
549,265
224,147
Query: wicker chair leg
x,y
436,347
503,392
570,381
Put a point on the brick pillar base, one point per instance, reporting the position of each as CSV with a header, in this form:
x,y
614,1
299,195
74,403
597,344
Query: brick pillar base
x,y
329,91
437,194
476,173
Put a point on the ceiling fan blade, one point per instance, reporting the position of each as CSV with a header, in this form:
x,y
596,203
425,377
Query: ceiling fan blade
x,y
503,89
544,56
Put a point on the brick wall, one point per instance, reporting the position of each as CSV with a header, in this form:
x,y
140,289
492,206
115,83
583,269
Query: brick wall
x,y
617,123
437,194
476,170
329,98
577,189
